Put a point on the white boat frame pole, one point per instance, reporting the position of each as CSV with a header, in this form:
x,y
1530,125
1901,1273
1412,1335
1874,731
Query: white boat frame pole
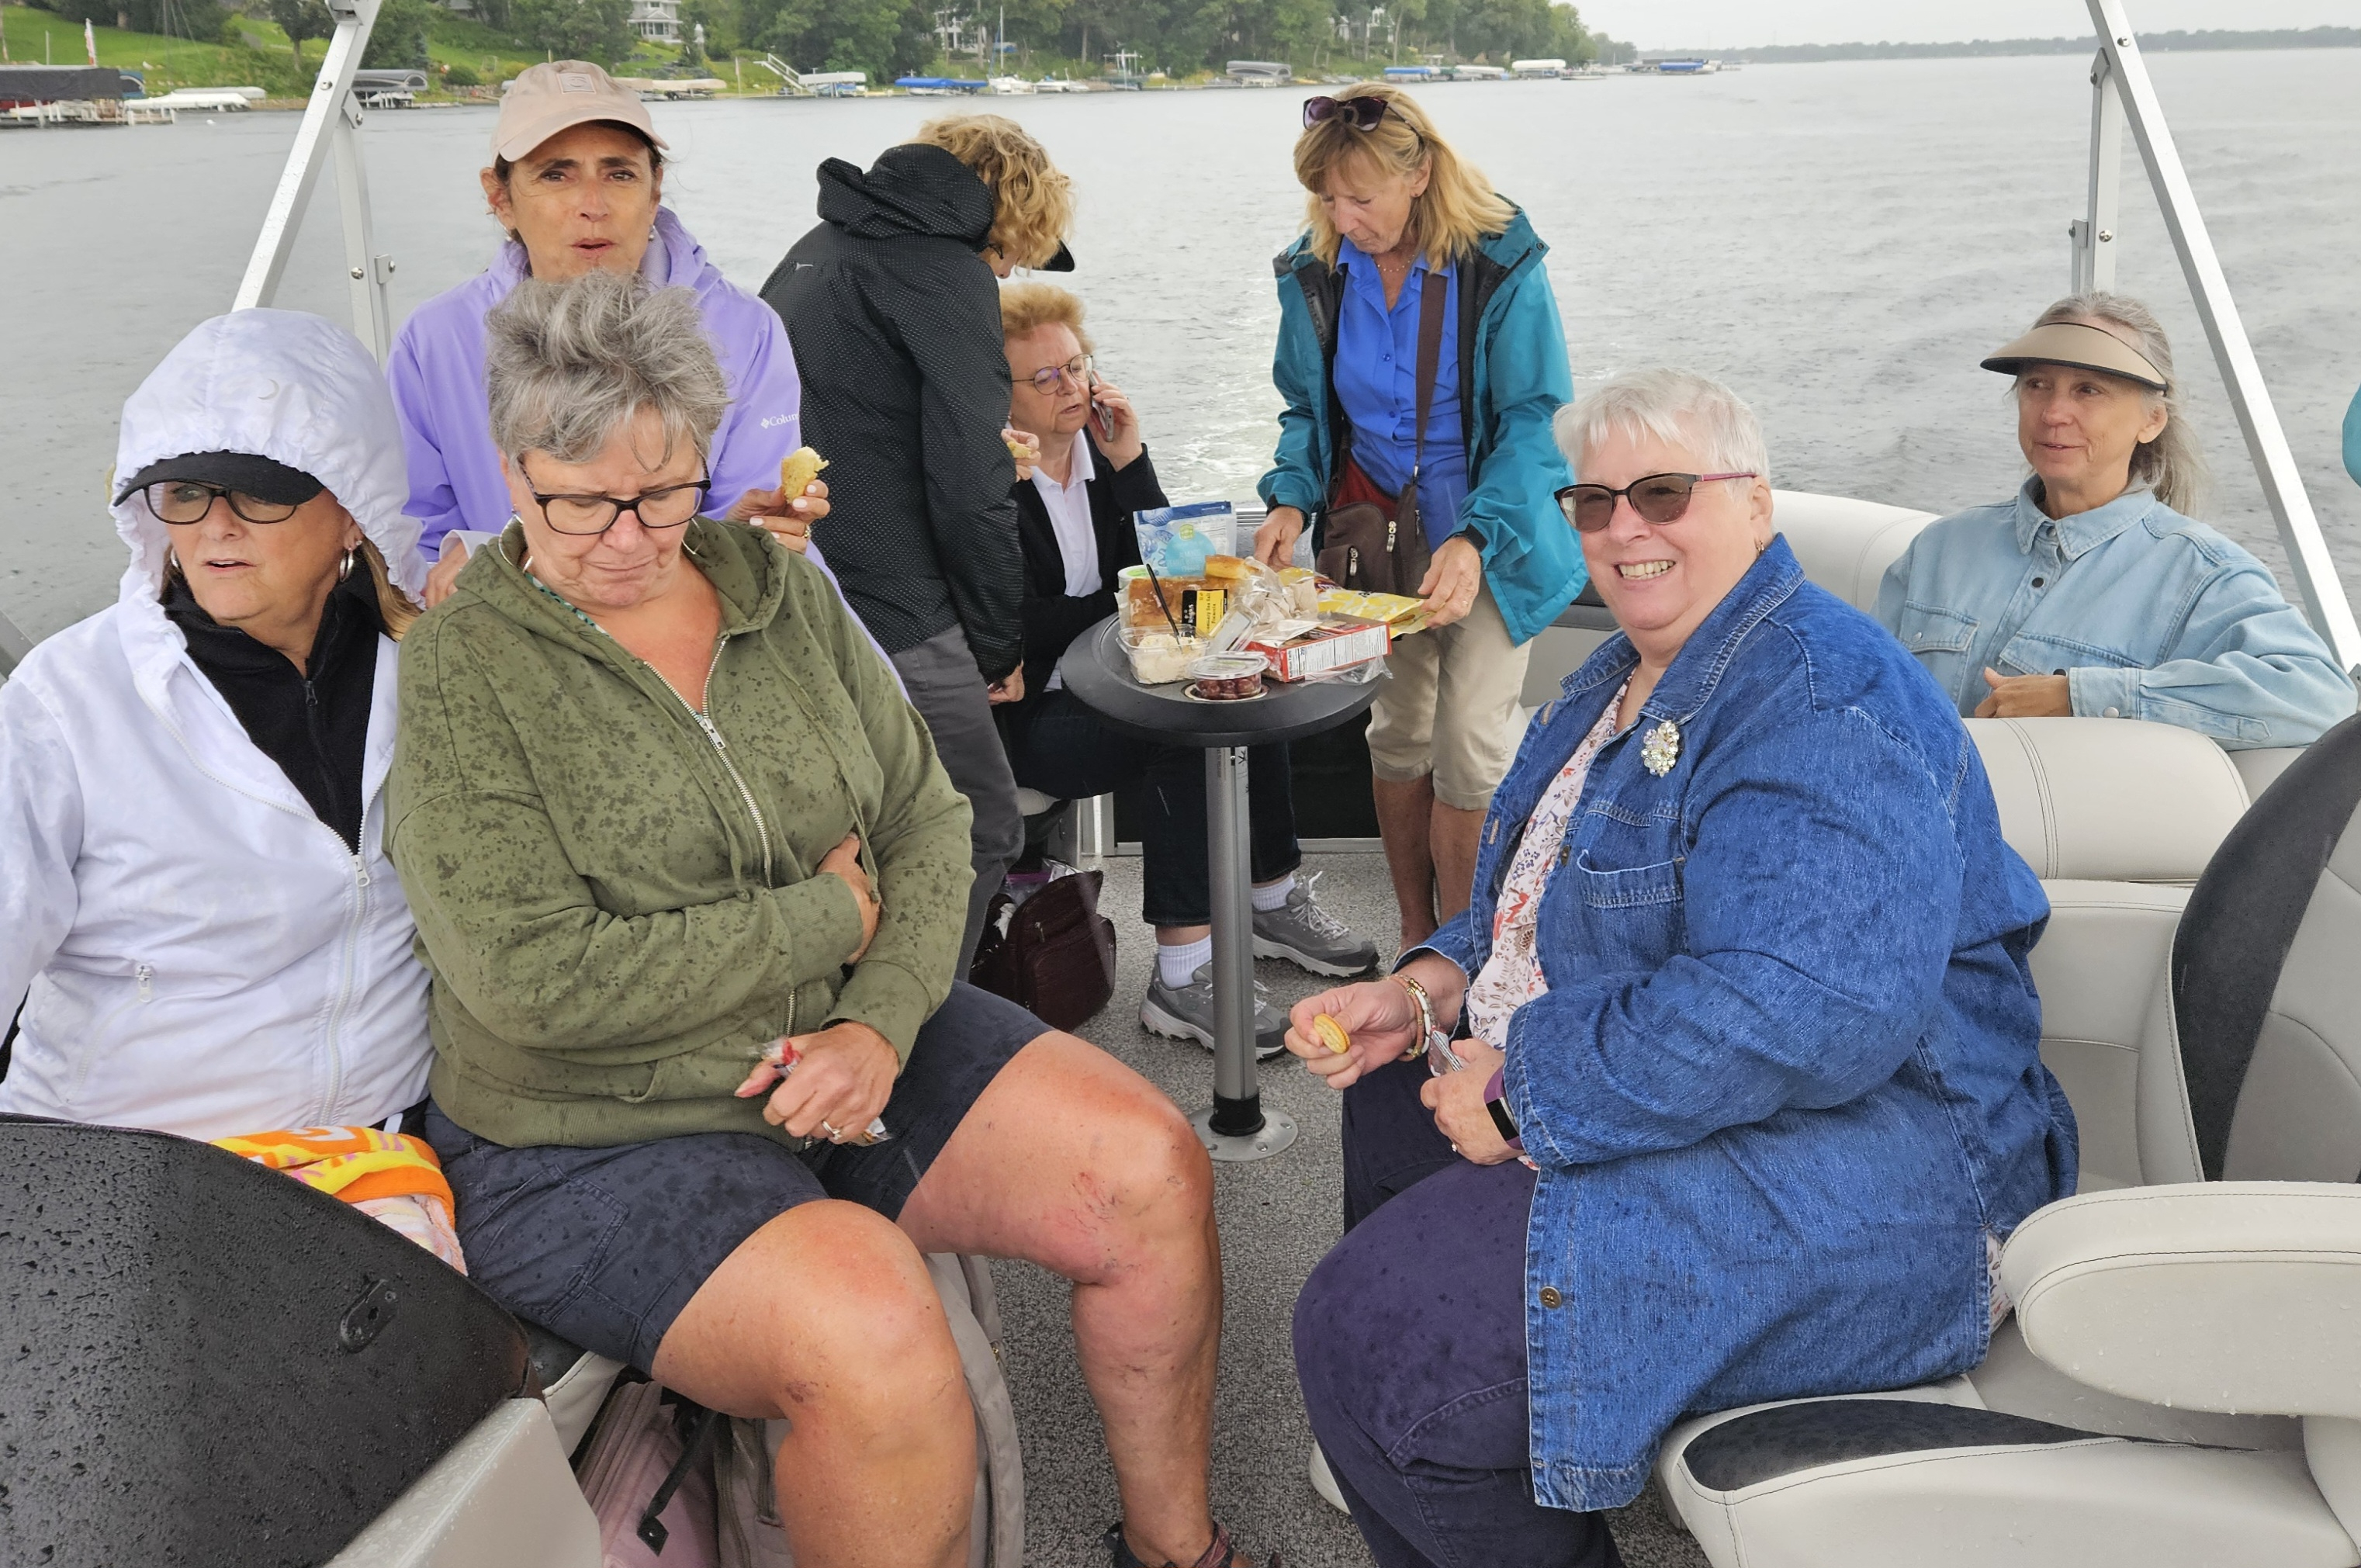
x,y
330,126
2242,375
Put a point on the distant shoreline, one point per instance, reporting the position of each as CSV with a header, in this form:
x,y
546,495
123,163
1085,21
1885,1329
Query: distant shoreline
x,y
2212,38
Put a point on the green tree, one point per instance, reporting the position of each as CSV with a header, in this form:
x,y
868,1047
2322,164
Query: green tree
x,y
302,20
595,31
400,37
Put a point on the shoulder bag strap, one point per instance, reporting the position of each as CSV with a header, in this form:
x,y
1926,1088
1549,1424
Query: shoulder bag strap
x,y
1431,302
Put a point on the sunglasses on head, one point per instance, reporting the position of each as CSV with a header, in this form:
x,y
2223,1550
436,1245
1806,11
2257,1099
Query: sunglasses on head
x,y
1361,114
1659,497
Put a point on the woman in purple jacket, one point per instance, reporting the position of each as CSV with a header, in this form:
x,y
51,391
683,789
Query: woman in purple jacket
x,y
577,177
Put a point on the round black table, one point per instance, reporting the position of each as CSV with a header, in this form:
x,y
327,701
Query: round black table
x,y
1098,672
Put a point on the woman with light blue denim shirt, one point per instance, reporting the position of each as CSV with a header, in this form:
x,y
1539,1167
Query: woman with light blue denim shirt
x,y
2089,593
1746,977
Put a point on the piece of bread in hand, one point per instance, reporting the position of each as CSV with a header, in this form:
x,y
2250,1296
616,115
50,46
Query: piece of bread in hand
x,y
798,470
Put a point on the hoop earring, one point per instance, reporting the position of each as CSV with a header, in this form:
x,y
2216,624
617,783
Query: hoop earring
x,y
171,559
344,566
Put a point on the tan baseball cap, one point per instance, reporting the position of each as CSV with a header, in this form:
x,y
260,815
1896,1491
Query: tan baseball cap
x,y
2081,346
546,99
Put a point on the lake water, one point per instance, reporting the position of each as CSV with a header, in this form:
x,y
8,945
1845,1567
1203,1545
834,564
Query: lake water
x,y
1840,242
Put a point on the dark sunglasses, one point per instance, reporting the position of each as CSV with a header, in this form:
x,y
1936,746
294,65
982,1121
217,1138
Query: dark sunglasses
x,y
1361,114
1659,497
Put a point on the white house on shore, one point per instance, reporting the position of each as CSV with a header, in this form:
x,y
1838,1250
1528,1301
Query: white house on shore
x,y
657,19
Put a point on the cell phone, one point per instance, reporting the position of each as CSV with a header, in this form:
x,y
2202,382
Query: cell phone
x,y
1100,411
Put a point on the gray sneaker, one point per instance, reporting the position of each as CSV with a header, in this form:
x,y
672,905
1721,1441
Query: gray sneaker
x,y
1187,1014
1308,937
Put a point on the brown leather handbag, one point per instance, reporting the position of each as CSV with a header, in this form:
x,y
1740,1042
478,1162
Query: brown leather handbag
x,y
1369,545
1056,956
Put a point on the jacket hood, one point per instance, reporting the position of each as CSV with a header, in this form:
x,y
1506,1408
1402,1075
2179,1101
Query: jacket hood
x,y
284,385
746,567
912,189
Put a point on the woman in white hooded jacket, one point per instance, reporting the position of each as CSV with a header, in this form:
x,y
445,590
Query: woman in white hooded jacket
x,y
199,917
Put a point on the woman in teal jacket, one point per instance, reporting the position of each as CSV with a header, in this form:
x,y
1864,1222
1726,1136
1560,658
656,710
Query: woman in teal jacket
x,y
1393,206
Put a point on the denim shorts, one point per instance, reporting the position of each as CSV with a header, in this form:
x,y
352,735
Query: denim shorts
x,y
606,1245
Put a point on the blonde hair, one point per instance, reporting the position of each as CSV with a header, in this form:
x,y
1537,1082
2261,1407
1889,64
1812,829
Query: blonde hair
x,y
1029,307
396,609
1457,210
1032,201
2169,465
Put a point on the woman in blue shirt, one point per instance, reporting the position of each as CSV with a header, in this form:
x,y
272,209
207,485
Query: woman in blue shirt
x,y
2089,592
1391,204
1745,977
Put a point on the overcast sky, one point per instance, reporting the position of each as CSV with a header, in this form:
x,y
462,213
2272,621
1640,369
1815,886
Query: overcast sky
x,y
1684,24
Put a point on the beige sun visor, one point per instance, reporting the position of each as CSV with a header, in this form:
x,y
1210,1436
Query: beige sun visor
x,y
2083,347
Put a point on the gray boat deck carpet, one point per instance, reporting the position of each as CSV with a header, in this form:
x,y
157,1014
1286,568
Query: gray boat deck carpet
x,y
1278,1217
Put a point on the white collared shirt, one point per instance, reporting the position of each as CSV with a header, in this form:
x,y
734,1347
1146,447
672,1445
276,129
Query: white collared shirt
x,y
1070,519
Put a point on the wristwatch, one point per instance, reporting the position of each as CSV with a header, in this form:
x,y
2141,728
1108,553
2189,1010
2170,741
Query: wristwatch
x,y
1496,1101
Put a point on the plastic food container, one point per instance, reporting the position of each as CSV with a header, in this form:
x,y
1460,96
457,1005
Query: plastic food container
x,y
1158,658
1227,677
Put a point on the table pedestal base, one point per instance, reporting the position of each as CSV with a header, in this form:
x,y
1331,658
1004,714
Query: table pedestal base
x,y
1277,1132
1238,1127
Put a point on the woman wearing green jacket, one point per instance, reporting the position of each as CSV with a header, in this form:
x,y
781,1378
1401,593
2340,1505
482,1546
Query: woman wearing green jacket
x,y
689,880
1392,208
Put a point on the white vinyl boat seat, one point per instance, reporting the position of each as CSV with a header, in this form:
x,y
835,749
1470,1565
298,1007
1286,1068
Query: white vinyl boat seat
x,y
2181,1383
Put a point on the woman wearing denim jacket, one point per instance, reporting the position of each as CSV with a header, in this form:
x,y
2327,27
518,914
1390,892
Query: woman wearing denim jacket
x,y
1392,202
2090,593
1746,974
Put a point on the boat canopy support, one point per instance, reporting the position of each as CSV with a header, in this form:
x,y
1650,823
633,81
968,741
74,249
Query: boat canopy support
x,y
331,127
2121,94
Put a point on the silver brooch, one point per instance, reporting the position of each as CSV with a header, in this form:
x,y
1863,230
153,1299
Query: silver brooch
x,y
1661,748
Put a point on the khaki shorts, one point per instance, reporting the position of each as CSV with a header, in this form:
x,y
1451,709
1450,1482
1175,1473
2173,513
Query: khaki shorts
x,y
1450,708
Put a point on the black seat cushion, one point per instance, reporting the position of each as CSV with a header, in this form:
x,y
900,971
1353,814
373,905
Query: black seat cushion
x,y
1765,1444
208,1363
2242,918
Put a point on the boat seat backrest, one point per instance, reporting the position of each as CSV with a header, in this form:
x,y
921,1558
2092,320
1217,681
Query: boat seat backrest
x,y
1843,544
2110,799
2266,983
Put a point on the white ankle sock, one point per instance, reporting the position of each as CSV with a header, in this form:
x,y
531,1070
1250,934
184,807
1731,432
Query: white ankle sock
x,y
1177,963
1266,899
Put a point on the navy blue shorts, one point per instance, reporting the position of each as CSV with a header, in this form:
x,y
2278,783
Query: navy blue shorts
x,y
606,1245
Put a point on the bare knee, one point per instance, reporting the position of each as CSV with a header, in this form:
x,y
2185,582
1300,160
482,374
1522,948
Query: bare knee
x,y
1150,1186
826,1314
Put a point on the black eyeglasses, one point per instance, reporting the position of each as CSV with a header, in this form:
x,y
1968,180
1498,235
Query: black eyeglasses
x,y
184,501
1361,114
668,507
1077,370
1659,497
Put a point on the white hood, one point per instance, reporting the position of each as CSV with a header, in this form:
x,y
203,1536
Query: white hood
x,y
198,952
284,385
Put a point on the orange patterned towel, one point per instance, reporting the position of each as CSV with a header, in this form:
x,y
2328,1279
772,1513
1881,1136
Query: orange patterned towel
x,y
391,1177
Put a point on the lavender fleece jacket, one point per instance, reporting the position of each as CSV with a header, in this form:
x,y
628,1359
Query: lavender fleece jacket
x,y
437,372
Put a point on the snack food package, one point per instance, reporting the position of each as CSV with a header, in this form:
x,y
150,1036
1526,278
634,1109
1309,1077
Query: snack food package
x,y
1226,677
1333,643
1158,658
1179,540
1193,606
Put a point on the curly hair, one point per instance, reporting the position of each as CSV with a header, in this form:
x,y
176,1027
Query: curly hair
x,y
1033,201
1026,307
1457,210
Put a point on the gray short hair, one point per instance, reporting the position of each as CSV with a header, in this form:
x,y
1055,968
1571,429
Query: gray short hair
x,y
2170,466
1677,406
568,365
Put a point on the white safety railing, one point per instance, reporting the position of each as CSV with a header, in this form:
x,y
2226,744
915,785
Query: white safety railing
x,y
2120,95
331,127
